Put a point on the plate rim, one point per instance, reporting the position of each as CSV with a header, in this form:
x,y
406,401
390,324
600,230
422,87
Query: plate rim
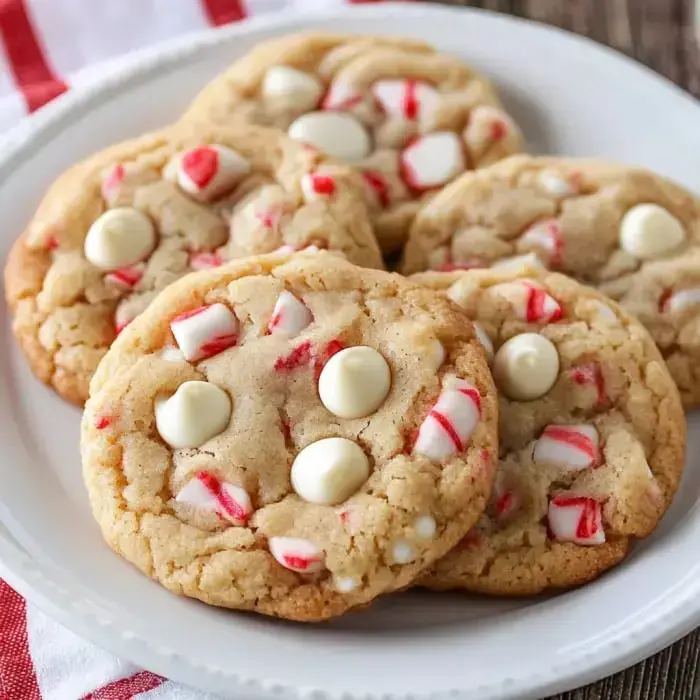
x,y
673,618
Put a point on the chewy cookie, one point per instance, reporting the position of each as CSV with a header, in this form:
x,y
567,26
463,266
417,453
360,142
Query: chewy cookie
x,y
630,233
410,118
116,229
291,436
592,433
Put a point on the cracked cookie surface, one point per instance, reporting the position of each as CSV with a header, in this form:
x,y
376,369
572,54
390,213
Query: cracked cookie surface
x,y
592,434
632,234
332,434
409,118
119,227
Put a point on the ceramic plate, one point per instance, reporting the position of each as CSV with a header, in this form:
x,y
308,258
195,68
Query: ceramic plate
x,y
571,97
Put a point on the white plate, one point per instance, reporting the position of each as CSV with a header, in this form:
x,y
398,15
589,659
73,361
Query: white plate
x,y
571,97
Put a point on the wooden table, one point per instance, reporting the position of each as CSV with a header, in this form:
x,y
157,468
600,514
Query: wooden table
x,y
660,34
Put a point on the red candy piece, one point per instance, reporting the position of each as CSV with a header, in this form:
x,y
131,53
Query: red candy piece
x,y
201,165
378,184
591,374
227,505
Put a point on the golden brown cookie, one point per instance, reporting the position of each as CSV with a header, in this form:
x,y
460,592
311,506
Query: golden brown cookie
x,y
290,436
628,232
592,433
410,118
119,227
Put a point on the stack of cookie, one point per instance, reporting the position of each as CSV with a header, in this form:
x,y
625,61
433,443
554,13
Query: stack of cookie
x,y
276,424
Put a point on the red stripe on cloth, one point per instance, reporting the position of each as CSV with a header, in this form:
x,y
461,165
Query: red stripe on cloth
x,y
224,11
125,688
17,677
33,75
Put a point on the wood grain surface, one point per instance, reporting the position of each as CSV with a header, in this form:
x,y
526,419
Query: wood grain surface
x,y
660,34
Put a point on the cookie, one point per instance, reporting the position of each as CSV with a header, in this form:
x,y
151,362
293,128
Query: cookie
x,y
116,229
290,436
628,232
592,433
410,118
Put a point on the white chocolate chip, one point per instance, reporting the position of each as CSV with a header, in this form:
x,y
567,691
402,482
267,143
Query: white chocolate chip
x,y
329,471
402,552
485,340
425,527
195,413
526,367
649,231
301,90
344,584
172,354
336,133
436,354
354,382
556,184
118,238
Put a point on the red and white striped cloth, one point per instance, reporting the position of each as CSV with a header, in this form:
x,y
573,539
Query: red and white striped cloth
x,y
48,47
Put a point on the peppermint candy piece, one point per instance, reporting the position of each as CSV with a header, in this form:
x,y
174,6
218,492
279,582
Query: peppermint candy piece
x,y
576,519
377,186
432,160
315,186
119,238
302,90
336,133
112,182
526,367
123,316
683,299
649,231
354,382
205,261
505,500
569,447
205,331
206,172
590,374
126,278
295,554
228,501
289,315
329,471
413,100
195,413
449,424
529,300
341,96
545,236
518,262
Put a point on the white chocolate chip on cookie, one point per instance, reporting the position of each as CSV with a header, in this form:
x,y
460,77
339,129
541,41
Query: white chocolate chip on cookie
x,y
354,382
338,134
649,231
118,238
329,471
195,413
526,367
290,85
